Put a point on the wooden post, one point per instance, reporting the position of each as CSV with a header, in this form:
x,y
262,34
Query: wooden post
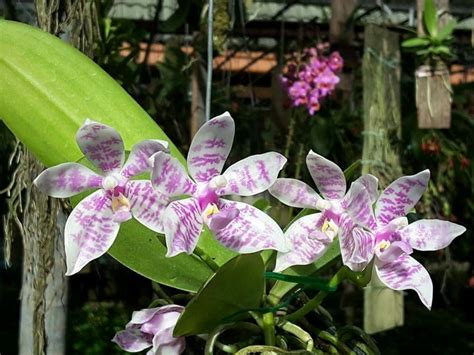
x,y
383,307
433,88
198,92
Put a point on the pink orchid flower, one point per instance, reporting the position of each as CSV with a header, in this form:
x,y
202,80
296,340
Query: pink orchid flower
x,y
94,223
236,225
311,235
393,239
152,327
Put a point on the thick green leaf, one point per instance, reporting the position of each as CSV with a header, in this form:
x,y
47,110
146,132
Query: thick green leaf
x,y
351,169
430,18
236,286
47,90
446,32
415,42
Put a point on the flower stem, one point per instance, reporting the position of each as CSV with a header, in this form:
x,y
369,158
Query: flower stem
x,y
269,328
206,258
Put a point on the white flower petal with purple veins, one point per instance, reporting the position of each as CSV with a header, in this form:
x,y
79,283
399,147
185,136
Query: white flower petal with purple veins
x,y
131,340
138,160
173,348
294,193
407,274
307,243
371,184
169,177
182,222
66,180
102,145
357,245
393,251
147,205
253,174
358,205
401,196
90,231
429,235
328,177
251,231
210,147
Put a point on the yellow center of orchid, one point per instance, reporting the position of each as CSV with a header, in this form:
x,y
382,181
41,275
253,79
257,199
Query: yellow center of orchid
x,y
384,244
120,202
210,210
329,228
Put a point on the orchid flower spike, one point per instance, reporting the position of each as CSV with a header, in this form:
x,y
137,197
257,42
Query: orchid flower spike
x,y
311,235
152,327
94,223
236,225
393,239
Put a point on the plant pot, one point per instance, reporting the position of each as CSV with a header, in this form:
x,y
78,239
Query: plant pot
x,y
433,96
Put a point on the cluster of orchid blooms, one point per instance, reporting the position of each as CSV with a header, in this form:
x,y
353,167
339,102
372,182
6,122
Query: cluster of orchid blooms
x,y
370,226
311,77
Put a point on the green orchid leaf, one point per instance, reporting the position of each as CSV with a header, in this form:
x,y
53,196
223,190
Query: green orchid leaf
x,y
442,50
262,204
415,42
351,170
47,90
430,18
236,286
446,32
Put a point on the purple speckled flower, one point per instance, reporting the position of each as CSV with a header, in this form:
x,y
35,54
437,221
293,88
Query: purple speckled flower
x,y
236,225
93,225
152,327
341,212
393,239
311,77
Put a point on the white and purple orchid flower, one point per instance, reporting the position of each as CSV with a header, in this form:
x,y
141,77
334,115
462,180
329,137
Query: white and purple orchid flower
x,y
94,223
236,225
152,327
311,235
393,239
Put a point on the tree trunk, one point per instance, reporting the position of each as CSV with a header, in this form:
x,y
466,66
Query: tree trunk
x,y
383,307
433,87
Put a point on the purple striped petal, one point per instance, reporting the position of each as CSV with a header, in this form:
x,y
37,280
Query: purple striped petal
x,y
358,205
307,243
294,193
401,196
132,340
90,231
357,245
138,160
328,177
407,274
431,235
175,347
183,225
394,251
66,180
251,231
102,145
253,174
147,205
210,147
169,177
371,184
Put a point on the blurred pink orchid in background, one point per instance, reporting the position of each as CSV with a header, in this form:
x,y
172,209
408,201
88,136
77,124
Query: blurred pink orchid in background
x,y
152,327
236,225
94,223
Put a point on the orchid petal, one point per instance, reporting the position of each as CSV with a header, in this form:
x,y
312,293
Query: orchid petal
x,y
144,315
146,204
294,193
253,174
102,145
357,244
175,347
169,177
394,251
66,180
401,196
358,205
183,224
328,177
308,243
90,231
371,184
210,147
406,273
251,231
138,160
429,235
223,218
131,340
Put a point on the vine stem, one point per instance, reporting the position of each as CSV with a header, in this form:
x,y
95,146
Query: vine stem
x,y
268,322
